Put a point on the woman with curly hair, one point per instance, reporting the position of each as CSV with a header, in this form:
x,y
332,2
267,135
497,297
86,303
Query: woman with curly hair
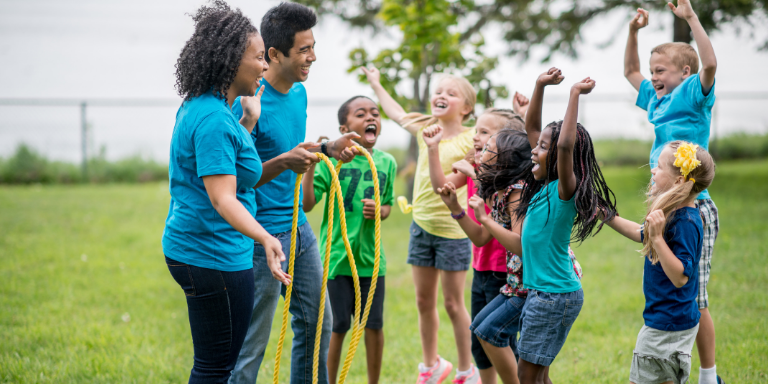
x,y
214,167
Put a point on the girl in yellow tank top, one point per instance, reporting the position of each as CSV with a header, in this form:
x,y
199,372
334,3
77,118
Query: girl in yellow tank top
x,y
438,249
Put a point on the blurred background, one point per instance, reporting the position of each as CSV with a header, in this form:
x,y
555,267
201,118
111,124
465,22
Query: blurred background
x,y
95,79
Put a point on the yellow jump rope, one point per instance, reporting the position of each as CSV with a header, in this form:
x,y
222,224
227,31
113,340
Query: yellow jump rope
x,y
334,195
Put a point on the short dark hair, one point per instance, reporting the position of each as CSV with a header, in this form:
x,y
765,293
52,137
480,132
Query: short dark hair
x,y
344,109
211,57
281,23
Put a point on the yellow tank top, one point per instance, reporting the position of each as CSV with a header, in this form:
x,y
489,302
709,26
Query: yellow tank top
x,y
429,211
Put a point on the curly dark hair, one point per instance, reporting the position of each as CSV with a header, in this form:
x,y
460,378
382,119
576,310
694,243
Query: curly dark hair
x,y
211,57
281,23
344,109
513,163
592,194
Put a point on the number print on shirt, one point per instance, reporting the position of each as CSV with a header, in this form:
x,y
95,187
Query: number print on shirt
x,y
355,174
368,194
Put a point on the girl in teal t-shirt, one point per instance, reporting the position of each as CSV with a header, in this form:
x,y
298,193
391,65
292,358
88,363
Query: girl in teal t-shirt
x,y
563,194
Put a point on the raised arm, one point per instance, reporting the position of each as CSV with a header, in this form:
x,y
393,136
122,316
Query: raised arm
x,y
706,52
509,239
432,137
477,234
567,139
631,59
393,110
533,116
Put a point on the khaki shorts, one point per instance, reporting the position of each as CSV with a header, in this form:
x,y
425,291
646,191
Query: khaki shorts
x,y
662,356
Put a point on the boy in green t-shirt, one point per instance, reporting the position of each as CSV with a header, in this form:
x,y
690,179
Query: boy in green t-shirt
x,y
360,115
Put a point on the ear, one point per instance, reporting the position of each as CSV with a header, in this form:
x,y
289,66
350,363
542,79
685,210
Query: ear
x,y
686,71
343,129
466,110
274,55
679,179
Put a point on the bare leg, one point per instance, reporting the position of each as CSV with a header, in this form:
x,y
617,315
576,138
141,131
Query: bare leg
x,y
426,279
530,373
488,375
546,376
453,293
503,360
334,355
374,352
705,339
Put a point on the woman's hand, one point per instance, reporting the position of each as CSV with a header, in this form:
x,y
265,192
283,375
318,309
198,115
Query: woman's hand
x,y
464,167
373,75
251,109
432,135
448,194
478,205
275,258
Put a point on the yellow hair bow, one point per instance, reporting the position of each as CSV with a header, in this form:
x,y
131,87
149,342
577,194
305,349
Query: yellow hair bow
x,y
685,158
402,202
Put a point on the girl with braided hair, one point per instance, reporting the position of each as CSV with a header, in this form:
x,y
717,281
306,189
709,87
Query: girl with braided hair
x,y
672,239
563,194
213,169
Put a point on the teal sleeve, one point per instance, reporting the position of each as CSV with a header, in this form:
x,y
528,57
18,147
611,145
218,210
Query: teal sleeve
x,y
695,95
644,94
216,143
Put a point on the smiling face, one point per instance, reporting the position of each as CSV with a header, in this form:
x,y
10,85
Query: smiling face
x,y
665,75
448,102
295,66
487,126
364,119
540,153
489,152
252,67
665,175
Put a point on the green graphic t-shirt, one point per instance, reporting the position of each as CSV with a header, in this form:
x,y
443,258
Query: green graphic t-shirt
x,y
356,181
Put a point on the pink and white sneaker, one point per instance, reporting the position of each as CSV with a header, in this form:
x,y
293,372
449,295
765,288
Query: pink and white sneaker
x,y
436,374
472,378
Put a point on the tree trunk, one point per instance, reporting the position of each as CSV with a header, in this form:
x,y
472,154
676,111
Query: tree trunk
x,y
682,31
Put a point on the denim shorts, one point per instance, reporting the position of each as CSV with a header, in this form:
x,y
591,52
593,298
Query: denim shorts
x,y
498,323
428,250
485,287
544,325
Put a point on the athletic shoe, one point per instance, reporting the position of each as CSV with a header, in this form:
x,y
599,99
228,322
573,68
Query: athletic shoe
x,y
472,378
720,380
436,374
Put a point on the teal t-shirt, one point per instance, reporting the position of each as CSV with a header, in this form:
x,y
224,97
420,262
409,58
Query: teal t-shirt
x,y
683,114
208,140
356,181
546,237
281,127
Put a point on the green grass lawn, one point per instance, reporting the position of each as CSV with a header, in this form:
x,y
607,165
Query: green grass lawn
x,y
85,296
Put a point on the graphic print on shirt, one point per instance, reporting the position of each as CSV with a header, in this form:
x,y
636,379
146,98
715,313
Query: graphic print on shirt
x,y
355,174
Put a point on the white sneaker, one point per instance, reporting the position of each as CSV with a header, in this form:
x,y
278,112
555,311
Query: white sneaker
x,y
472,378
436,374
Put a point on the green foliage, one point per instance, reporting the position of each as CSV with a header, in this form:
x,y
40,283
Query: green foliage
x,y
740,146
86,297
26,166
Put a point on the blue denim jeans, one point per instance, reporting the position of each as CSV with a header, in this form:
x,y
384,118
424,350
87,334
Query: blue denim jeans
x,y
305,300
219,305
485,288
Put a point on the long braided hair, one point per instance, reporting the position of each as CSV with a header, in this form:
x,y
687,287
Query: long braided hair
x,y
512,163
592,194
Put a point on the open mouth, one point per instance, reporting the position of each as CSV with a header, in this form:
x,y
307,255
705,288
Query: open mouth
x,y
441,104
370,133
658,86
305,69
535,166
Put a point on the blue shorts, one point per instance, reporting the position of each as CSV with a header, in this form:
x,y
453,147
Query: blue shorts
x,y
498,323
428,250
544,325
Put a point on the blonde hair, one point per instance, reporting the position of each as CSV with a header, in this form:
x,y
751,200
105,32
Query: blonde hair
x,y
465,90
668,201
681,54
512,120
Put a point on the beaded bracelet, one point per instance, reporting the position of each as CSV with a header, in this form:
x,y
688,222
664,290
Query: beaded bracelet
x,y
459,216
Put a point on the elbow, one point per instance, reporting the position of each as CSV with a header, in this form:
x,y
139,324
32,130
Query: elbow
x,y
681,282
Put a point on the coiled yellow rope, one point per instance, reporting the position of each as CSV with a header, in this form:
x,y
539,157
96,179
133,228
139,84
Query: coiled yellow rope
x,y
334,195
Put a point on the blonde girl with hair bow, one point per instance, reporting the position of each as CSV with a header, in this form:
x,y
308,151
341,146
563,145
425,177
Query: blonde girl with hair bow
x,y
439,251
672,238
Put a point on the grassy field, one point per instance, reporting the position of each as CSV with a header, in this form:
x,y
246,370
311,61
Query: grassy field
x,y
85,296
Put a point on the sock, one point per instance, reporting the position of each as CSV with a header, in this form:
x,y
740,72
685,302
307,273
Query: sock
x,y
707,375
423,367
468,372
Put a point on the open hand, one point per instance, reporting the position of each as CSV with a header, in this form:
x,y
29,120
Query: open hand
x,y
373,75
585,86
251,109
478,205
655,223
275,258
300,159
344,148
520,104
448,194
432,135
683,9
464,167
551,77
639,21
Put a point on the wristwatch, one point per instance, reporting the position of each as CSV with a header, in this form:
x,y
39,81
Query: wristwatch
x,y
324,147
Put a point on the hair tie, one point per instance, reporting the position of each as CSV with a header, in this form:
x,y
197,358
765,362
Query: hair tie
x,y
685,158
692,179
